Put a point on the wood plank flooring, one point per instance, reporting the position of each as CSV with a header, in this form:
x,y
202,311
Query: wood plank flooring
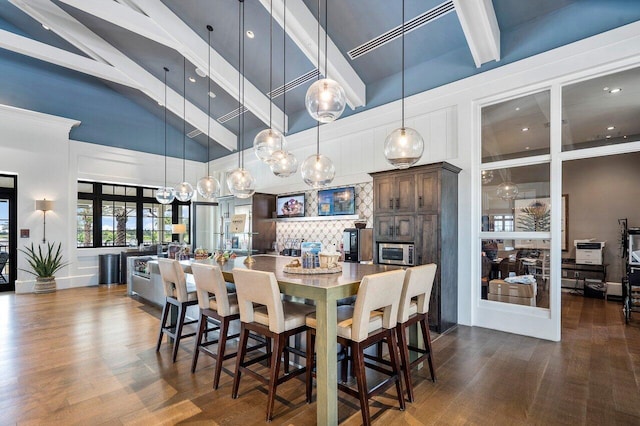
x,y
87,356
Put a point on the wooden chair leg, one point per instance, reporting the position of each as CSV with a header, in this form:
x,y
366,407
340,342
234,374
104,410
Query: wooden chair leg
x,y
344,367
242,350
395,365
202,325
182,311
401,330
361,378
222,343
276,356
163,321
286,356
426,335
309,363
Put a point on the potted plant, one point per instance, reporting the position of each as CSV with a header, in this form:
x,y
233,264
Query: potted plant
x,y
44,265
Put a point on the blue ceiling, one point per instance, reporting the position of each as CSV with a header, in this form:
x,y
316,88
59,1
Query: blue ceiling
x,y
436,54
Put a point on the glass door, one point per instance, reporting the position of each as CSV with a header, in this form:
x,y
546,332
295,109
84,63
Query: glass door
x,y
8,212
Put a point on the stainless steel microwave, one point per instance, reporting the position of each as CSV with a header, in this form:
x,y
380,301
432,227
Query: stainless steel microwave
x,y
396,254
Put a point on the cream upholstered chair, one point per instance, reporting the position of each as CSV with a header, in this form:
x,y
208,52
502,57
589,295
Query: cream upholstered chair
x,y
371,320
176,294
414,308
214,303
263,311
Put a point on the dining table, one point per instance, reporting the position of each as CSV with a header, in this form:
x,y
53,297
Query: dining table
x,y
325,290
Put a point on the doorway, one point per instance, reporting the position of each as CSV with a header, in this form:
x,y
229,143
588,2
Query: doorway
x,y
8,232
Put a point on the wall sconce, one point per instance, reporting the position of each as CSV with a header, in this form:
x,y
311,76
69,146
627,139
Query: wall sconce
x,y
180,229
44,206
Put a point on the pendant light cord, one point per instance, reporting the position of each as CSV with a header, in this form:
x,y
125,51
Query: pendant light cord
x,y
318,78
184,115
242,110
270,61
166,70
210,29
239,80
326,35
402,64
284,72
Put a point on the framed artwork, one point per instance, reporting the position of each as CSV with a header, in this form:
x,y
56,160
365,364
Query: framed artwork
x,y
534,215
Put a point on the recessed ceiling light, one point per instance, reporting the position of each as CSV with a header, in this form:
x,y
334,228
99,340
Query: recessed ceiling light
x,y
201,73
526,147
250,34
212,95
160,103
525,129
605,89
517,108
624,137
191,79
608,136
611,127
45,27
616,90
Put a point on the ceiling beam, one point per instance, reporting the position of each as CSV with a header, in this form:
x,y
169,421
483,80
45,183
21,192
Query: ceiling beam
x,y
195,49
44,52
67,27
480,26
302,28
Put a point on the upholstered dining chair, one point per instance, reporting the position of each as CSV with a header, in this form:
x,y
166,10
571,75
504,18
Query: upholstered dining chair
x,y
263,311
176,294
371,320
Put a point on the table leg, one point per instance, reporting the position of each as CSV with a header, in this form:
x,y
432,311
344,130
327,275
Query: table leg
x,y
326,363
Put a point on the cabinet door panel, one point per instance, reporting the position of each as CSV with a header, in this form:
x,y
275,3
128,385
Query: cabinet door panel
x,y
383,195
428,192
384,228
427,241
405,193
405,228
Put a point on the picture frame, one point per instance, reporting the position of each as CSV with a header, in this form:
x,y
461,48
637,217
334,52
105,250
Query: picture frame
x,y
534,215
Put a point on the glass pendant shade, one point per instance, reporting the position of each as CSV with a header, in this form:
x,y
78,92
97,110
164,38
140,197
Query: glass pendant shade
x,y
325,100
284,164
318,171
487,176
184,192
165,195
208,187
507,190
403,147
266,143
241,183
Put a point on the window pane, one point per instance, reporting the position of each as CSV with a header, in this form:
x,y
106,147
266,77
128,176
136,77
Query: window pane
x,y
84,223
529,211
131,191
107,189
601,111
516,128
147,192
85,187
119,190
150,223
166,223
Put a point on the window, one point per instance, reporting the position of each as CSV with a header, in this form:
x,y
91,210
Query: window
x,y
119,215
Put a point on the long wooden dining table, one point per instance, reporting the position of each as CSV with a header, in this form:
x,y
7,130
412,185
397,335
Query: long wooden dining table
x,y
325,290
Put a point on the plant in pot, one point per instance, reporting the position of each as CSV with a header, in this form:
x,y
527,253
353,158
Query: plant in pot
x,y
44,265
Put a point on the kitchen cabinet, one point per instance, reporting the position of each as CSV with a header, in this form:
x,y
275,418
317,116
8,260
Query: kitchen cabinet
x,y
419,205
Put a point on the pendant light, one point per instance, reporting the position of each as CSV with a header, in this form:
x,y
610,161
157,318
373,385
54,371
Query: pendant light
x,y
507,190
269,140
325,99
184,191
208,186
165,194
240,181
487,176
404,146
318,170
284,163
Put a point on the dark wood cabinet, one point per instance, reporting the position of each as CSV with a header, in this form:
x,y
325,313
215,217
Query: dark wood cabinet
x,y
262,207
420,206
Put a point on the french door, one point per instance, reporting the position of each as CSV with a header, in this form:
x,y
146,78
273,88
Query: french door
x,y
8,232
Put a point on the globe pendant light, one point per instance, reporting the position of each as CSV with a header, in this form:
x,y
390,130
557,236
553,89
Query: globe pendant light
x,y
165,194
325,99
404,146
184,190
284,163
240,181
507,190
269,140
487,176
208,187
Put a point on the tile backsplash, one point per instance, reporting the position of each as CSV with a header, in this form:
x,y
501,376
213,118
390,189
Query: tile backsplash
x,y
326,231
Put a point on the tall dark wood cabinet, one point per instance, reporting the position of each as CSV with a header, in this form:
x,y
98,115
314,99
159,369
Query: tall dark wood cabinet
x,y
420,206
262,207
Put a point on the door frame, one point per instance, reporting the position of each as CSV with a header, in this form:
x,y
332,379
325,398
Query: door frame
x,y
11,194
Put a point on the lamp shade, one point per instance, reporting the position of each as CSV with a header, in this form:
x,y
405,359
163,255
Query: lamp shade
x,y
317,171
266,143
178,228
403,147
44,205
325,100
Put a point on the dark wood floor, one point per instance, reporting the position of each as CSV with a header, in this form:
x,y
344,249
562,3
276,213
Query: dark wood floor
x,y
87,356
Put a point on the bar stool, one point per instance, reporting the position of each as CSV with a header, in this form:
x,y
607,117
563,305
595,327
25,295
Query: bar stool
x,y
414,308
176,294
361,326
215,303
275,319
